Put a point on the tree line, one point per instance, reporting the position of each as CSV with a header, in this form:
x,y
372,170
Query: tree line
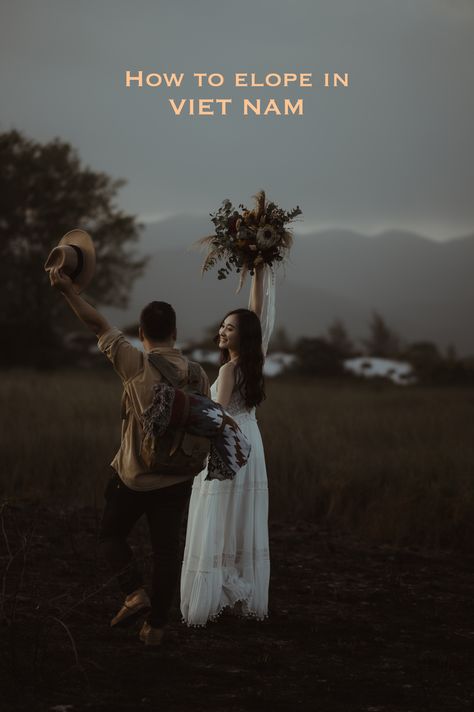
x,y
324,355
45,190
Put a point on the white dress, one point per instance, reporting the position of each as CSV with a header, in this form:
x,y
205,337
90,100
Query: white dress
x,y
226,556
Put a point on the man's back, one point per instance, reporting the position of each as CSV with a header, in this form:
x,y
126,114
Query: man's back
x,y
138,376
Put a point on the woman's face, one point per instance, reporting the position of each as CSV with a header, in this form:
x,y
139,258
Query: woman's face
x,y
229,333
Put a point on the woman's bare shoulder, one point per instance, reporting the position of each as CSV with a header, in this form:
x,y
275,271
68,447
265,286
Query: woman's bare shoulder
x,y
227,368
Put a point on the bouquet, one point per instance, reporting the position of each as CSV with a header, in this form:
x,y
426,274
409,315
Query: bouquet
x,y
244,239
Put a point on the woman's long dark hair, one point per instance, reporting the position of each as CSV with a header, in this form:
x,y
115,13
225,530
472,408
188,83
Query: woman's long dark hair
x,y
249,371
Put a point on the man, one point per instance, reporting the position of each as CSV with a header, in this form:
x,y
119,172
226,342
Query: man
x,y
134,490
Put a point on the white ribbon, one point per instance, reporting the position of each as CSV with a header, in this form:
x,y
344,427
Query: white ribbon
x,y
268,307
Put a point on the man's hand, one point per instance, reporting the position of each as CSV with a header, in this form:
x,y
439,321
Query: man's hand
x,y
60,281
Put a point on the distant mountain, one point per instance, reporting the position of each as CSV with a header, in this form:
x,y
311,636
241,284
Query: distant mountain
x,y
388,268
424,289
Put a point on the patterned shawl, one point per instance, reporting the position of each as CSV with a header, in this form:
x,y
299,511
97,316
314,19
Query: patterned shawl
x,y
198,415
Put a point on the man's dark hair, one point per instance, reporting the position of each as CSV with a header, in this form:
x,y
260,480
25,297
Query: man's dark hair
x,y
158,321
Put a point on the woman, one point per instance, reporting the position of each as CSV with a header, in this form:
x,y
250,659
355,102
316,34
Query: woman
x,y
226,558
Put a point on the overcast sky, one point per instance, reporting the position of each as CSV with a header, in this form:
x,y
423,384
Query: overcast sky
x,y
395,149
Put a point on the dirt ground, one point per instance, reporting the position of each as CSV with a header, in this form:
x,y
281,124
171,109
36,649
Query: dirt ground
x,y
352,627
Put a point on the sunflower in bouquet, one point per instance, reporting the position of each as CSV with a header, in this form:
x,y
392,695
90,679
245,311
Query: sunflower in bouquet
x,y
244,239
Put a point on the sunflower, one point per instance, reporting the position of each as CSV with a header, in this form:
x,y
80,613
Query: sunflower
x,y
267,237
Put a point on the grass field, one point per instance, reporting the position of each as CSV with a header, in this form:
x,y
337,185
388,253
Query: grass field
x,y
353,624
390,464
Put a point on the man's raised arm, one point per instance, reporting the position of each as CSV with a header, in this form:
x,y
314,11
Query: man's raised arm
x,y
84,311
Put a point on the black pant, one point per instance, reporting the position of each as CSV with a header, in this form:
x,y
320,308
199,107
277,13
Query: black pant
x,y
164,509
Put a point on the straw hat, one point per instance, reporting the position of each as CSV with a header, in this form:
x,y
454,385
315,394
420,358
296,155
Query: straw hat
x,y
75,256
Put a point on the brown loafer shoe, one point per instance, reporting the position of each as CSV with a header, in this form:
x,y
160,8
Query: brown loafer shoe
x,y
151,636
135,605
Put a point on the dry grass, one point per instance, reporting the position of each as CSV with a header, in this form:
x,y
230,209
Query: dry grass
x,y
394,465
59,432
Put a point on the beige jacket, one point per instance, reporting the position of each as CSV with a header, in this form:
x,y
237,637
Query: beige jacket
x,y
138,377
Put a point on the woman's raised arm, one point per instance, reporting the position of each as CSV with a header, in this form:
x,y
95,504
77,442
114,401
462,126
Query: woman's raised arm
x,y
256,291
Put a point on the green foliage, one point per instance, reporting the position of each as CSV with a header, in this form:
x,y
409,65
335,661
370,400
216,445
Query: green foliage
x,y
45,191
431,367
424,357
382,341
317,357
340,340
